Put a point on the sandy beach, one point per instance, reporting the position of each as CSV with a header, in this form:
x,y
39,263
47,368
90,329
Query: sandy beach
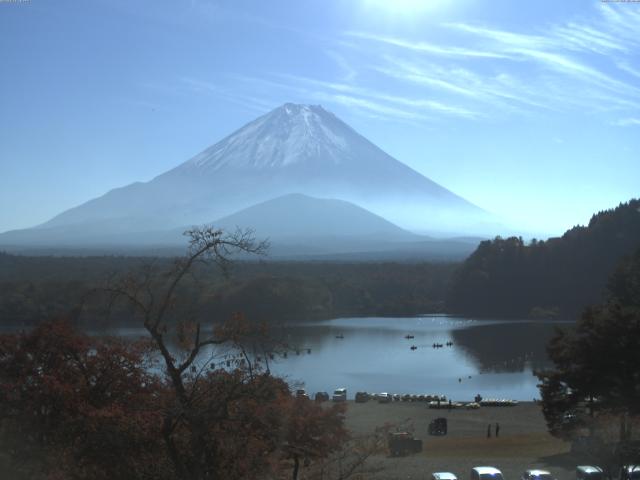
x,y
523,442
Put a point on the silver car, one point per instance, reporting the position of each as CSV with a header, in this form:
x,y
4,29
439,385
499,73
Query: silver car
x,y
443,476
589,472
340,395
485,473
630,472
537,475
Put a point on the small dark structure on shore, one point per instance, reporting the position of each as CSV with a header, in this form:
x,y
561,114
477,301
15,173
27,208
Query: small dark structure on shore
x,y
438,426
403,443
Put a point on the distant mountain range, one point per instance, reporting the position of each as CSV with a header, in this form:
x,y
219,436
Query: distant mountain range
x,y
264,176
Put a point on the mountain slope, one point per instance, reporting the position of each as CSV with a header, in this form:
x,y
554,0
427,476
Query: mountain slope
x,y
293,149
297,216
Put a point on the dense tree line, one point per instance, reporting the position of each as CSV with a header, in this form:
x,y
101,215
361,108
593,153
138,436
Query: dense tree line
x,y
593,389
34,288
558,277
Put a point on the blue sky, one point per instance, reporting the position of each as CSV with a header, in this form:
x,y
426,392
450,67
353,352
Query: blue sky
x,y
529,109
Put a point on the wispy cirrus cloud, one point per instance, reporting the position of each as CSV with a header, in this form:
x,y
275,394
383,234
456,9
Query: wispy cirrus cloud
x,y
469,71
586,38
625,67
583,63
336,93
369,102
627,122
553,50
425,47
200,86
350,72
421,105
501,90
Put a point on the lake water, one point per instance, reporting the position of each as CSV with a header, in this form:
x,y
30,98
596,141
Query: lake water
x,y
492,358
495,359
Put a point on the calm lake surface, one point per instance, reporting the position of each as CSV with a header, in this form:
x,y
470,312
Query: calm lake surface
x,y
493,358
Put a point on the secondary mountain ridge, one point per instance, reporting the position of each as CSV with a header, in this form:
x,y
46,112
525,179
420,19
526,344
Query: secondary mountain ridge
x,y
294,149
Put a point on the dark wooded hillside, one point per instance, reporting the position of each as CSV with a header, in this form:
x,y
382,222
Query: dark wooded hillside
x,y
558,277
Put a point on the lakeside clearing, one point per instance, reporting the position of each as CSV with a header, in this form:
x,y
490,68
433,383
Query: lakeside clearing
x,y
523,443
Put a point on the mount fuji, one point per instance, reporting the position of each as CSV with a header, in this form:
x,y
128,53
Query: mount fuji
x,y
294,149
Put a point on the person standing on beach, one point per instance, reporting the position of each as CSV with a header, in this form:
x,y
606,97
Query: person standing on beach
x,y
489,431
497,429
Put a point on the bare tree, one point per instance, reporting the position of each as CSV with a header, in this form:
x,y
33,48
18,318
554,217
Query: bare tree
x,y
152,297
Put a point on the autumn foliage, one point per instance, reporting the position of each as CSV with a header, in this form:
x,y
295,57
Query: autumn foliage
x,y
78,407
74,408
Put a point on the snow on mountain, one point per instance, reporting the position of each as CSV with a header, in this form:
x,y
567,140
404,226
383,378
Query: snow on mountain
x,y
292,149
289,135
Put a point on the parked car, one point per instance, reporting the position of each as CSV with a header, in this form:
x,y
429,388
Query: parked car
x,y
340,395
362,397
486,473
630,472
443,476
403,443
589,472
384,398
438,426
322,397
537,475
301,393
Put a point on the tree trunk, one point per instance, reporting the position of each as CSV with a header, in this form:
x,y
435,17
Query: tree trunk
x,y
296,466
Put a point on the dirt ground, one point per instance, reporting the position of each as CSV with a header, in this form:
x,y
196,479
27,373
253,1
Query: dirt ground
x,y
523,442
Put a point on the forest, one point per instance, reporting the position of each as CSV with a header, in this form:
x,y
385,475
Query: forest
x,y
555,278
504,277
36,288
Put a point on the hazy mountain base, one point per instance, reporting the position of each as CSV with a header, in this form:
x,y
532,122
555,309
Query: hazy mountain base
x,y
297,226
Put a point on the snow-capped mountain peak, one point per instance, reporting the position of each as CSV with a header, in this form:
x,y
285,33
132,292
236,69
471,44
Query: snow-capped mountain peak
x,y
291,134
301,149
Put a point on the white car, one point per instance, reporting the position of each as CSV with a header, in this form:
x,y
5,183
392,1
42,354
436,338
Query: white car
x,y
537,475
384,398
589,472
630,472
485,473
340,395
443,476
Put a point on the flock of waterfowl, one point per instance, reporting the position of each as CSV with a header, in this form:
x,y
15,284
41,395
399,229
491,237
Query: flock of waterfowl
x,y
434,345
409,336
